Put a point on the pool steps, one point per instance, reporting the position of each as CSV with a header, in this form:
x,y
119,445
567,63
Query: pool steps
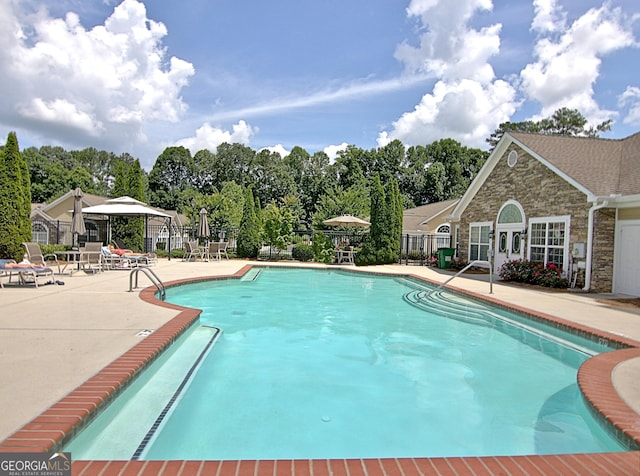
x,y
451,306
157,424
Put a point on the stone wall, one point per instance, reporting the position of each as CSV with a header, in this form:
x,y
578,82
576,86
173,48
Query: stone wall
x,y
542,193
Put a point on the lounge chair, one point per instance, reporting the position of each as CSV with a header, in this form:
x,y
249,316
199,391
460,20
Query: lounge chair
x,y
217,249
91,257
111,260
36,255
192,250
25,275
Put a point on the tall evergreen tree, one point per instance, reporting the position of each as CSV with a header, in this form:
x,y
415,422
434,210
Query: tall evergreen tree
x,y
15,200
249,234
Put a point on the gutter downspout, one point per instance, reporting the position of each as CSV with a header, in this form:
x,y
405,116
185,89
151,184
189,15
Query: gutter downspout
x,y
587,270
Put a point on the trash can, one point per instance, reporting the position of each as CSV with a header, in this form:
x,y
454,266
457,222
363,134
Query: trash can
x,y
445,255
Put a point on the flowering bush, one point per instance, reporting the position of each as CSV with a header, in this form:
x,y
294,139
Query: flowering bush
x,y
457,264
524,271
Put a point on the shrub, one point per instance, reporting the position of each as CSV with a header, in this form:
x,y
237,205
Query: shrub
x,y
302,252
457,264
323,250
530,272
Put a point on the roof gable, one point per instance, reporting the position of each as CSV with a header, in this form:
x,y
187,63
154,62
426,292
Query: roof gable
x,y
597,167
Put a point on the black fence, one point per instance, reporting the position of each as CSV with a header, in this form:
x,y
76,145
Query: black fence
x,y
420,249
414,249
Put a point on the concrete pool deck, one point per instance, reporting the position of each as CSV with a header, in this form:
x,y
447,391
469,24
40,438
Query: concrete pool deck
x,y
54,338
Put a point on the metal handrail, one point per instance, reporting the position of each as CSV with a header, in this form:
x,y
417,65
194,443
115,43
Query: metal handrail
x,y
473,263
153,277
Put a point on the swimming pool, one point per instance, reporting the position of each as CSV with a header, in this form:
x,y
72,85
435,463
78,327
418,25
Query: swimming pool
x,y
305,328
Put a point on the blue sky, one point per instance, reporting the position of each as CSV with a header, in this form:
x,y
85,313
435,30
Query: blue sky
x,y
137,76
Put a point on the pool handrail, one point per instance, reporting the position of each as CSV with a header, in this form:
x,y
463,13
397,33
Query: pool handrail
x,y
473,263
153,277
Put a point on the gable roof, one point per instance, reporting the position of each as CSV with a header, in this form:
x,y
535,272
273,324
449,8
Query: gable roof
x,y
600,168
414,219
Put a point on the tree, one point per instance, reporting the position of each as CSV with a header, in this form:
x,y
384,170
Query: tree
x,y
277,224
564,122
249,241
225,208
15,200
338,201
373,248
172,174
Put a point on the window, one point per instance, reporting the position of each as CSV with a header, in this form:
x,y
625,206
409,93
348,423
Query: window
x,y
548,240
443,236
40,233
479,241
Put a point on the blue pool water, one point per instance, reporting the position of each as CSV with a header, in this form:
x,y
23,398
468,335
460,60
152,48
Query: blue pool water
x,y
332,364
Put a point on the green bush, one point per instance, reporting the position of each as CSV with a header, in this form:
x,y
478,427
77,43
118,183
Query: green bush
x,y
302,252
323,249
531,272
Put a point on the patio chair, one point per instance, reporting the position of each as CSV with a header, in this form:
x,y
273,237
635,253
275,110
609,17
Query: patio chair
x,y
111,260
217,249
26,273
36,255
192,250
91,257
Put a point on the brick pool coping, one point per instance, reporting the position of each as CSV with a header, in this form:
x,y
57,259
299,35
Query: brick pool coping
x,y
57,425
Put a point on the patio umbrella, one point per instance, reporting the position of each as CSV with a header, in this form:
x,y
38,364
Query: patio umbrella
x,y
346,220
203,226
77,223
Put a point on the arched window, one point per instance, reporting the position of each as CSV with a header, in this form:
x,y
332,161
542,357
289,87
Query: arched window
x,y
510,213
443,236
40,232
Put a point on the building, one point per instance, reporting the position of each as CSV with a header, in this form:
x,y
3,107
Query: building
x,y
570,201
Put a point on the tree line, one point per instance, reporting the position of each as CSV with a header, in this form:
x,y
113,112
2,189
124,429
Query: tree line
x,y
304,188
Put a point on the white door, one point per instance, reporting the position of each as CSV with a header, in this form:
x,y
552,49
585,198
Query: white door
x,y
627,265
509,245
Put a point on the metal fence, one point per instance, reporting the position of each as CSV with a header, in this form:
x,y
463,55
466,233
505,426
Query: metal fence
x,y
418,249
414,249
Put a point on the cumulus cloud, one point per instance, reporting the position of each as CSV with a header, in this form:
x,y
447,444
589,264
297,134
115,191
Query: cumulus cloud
x,y
332,150
279,148
208,137
631,98
97,85
568,63
467,102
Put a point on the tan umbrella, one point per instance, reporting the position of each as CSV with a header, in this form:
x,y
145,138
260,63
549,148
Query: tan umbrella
x,y
203,226
346,220
77,223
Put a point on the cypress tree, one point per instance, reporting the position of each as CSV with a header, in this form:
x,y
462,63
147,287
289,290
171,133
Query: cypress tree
x,y
135,186
394,228
15,200
249,234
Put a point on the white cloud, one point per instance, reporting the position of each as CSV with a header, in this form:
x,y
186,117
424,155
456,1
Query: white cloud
x,y
467,111
468,102
332,150
548,17
631,97
88,85
568,65
279,148
208,137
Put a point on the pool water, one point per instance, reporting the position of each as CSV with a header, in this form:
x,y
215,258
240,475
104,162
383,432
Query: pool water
x,y
333,364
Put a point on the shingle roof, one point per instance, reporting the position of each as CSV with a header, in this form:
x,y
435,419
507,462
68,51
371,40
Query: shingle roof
x,y
414,217
603,166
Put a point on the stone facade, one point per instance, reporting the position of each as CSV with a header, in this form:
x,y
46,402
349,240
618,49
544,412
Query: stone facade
x,y
542,193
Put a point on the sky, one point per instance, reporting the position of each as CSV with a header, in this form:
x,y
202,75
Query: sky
x,y
138,76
